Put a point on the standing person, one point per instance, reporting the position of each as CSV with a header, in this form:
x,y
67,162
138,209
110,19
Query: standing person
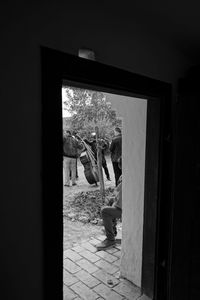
x,y
116,152
75,134
110,214
92,143
104,144
70,152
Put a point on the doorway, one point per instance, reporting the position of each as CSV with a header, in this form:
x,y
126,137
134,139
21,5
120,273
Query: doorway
x,y
130,114
58,66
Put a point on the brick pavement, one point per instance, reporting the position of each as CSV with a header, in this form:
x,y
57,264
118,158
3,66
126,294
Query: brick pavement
x,y
88,274
94,275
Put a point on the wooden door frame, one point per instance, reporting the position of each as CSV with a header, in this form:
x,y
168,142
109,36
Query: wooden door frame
x,y
56,67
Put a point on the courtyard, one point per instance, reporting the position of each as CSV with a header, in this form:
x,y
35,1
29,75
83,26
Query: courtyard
x,y
89,274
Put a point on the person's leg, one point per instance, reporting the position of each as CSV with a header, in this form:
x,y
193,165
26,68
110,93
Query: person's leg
x,y
109,213
67,170
76,168
114,222
113,163
104,165
73,170
117,171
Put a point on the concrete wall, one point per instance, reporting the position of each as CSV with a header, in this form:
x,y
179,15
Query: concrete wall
x,y
133,113
66,26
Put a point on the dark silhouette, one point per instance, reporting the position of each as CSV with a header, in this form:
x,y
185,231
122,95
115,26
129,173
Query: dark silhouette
x,y
116,152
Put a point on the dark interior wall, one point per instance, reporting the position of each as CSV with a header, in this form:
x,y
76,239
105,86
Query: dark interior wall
x,y
25,26
185,242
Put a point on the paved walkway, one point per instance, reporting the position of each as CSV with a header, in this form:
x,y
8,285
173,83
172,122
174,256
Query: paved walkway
x,y
89,274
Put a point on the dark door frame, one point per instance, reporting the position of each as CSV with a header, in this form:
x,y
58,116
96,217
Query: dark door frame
x,y
56,67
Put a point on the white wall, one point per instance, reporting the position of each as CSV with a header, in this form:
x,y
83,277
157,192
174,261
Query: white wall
x,y
133,113
66,26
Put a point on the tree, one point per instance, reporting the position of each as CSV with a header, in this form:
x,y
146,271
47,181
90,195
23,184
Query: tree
x,y
90,109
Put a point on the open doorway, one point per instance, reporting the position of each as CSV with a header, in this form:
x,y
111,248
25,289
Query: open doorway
x,y
83,110
86,74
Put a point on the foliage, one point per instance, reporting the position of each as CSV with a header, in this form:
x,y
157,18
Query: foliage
x,y
86,206
89,109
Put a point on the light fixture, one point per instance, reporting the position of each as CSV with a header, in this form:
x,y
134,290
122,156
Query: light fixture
x,y
86,53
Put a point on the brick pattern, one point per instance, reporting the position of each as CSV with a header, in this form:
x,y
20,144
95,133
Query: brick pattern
x,y
89,274
74,256
112,250
83,291
118,246
128,290
106,278
89,247
89,256
70,266
109,268
107,256
78,249
68,278
107,293
87,266
68,294
88,279
117,262
118,254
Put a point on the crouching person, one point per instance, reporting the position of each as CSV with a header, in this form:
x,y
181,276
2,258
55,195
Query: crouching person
x,y
109,215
